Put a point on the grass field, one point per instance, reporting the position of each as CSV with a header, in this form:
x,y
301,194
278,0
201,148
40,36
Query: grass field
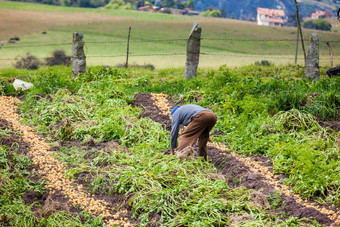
x,y
222,38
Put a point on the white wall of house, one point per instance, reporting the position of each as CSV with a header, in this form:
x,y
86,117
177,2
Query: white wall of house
x,y
263,20
260,21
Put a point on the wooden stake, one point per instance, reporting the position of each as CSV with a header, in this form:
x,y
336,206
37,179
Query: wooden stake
x,y
330,52
127,51
299,26
297,45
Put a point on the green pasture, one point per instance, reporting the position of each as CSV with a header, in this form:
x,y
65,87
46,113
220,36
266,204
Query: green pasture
x,y
50,8
224,41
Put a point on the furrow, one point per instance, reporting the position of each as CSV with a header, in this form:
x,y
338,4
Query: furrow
x,y
161,101
53,171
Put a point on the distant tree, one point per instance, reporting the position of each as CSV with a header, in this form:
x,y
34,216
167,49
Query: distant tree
x,y
50,2
140,4
98,3
224,13
190,4
118,4
168,3
84,3
211,13
215,13
232,16
66,2
180,4
292,20
319,24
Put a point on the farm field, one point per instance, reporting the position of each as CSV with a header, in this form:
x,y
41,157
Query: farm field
x,y
93,151
156,39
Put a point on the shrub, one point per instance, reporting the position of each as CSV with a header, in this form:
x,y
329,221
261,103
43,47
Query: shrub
x,y
59,58
118,4
28,62
212,13
263,63
319,24
15,38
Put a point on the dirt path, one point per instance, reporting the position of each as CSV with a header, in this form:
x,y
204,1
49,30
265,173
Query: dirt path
x,y
53,171
251,172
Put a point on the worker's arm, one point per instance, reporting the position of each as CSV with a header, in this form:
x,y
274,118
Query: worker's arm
x,y
174,131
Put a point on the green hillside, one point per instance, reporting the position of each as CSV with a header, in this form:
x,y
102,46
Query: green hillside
x,y
247,9
225,41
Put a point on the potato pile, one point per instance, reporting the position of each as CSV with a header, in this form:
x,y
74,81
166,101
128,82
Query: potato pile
x,y
163,104
161,101
53,170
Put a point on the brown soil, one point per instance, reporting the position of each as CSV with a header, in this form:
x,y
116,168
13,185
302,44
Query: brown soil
x,y
331,124
233,170
150,110
47,204
116,200
13,141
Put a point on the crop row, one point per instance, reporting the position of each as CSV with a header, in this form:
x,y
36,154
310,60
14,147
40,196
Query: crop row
x,y
53,171
95,109
161,100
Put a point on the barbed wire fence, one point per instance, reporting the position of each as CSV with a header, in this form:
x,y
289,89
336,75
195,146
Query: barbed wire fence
x,y
33,46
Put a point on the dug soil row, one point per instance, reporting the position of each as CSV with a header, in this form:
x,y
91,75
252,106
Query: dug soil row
x,y
52,170
251,172
50,203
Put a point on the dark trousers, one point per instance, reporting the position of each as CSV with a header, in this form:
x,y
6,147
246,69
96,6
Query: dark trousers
x,y
198,128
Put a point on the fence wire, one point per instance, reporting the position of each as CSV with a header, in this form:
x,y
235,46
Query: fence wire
x,y
88,43
14,45
182,54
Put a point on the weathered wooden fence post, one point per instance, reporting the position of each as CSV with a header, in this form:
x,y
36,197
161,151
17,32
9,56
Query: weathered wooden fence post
x,y
312,69
127,49
78,58
193,52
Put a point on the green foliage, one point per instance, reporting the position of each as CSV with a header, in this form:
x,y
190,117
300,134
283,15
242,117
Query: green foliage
x,y
118,4
263,63
245,100
319,24
18,214
212,13
190,4
59,58
261,110
14,184
29,62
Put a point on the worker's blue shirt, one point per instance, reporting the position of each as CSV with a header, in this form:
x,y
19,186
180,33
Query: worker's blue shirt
x,y
183,116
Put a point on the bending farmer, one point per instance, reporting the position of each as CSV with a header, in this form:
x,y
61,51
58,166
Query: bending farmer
x,y
200,121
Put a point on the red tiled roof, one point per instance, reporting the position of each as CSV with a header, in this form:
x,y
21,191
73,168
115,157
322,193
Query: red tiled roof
x,y
271,12
319,14
144,7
